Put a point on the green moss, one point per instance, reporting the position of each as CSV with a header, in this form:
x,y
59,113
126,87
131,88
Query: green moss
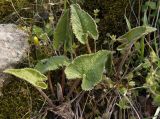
x,y
19,100
8,7
111,14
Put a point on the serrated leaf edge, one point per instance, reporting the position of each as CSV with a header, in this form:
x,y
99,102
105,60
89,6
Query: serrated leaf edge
x,y
94,37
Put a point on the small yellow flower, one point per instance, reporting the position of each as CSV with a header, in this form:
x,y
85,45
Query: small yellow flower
x,y
35,40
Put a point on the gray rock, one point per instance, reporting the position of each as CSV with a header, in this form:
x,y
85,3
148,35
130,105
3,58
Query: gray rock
x,y
13,47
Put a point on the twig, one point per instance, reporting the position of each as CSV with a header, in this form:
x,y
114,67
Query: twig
x,y
46,97
132,106
63,81
17,12
95,46
76,83
88,48
124,57
50,83
84,106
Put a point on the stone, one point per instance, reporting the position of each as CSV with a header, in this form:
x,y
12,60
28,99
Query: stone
x,y
13,48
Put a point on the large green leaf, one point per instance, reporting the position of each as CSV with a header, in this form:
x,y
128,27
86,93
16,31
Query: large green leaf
x,y
132,36
62,33
31,75
52,63
83,24
89,67
136,33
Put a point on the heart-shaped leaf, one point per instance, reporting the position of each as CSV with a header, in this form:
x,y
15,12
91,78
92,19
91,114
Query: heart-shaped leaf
x,y
89,67
83,24
30,75
52,63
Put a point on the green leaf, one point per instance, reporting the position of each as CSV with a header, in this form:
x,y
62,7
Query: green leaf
x,y
153,56
157,100
37,30
146,64
132,36
151,82
39,33
30,75
128,23
151,4
136,33
145,19
49,29
89,67
52,63
62,33
123,104
83,24
43,36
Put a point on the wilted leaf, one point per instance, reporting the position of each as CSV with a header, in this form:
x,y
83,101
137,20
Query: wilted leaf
x,y
52,63
30,75
89,67
62,33
83,24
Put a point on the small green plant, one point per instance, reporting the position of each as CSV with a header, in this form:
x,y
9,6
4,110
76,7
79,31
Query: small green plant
x,y
88,67
111,66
